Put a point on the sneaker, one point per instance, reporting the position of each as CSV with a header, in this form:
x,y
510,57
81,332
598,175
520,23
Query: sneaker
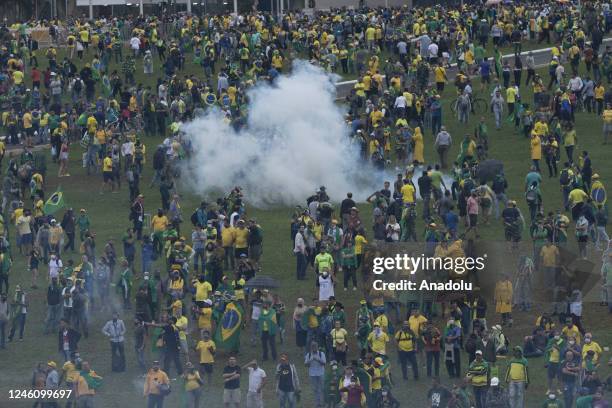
x,y
345,289
354,287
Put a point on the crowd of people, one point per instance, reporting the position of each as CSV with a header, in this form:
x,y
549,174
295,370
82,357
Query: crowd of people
x,y
185,282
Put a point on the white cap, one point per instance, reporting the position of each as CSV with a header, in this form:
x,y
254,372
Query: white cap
x,y
494,382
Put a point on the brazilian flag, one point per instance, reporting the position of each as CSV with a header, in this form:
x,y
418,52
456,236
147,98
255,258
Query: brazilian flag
x,y
210,98
227,334
54,203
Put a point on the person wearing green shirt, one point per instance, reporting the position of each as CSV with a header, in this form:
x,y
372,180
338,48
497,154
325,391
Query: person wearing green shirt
x,y
267,326
348,263
83,223
324,260
539,235
124,285
552,402
478,373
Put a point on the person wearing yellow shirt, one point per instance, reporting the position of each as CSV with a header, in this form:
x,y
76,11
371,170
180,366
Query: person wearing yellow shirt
x,y
417,322
107,173
440,77
577,196
408,192
599,93
406,341
193,384
241,234
227,241
207,349
277,61
590,345
84,385
378,339
536,150
370,35
205,317
154,379
607,122
339,337
92,125
18,78
571,331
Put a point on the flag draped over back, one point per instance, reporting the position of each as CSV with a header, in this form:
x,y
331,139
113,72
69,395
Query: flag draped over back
x,y
227,334
54,203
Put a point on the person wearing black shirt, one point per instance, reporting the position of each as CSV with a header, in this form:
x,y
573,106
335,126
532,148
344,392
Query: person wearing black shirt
x,y
170,338
511,218
345,209
287,382
54,306
425,190
231,384
438,395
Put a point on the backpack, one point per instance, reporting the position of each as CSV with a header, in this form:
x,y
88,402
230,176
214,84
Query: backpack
x,y
531,196
564,177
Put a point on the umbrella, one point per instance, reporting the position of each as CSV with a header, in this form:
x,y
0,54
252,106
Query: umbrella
x,y
262,282
488,169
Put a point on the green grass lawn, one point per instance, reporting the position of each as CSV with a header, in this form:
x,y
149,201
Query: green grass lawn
x,y
109,215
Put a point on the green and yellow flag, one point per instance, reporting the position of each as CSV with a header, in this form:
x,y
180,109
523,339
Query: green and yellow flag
x,y
54,203
227,334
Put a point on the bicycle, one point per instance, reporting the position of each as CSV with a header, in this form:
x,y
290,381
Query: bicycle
x,y
479,105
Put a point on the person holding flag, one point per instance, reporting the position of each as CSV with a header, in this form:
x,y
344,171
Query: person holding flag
x,y
227,333
54,203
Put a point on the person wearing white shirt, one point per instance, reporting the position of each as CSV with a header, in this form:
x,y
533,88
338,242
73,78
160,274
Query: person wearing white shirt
x,y
135,45
257,380
393,229
114,329
299,249
400,106
55,267
433,53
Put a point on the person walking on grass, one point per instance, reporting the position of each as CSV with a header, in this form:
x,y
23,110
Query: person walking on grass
x,y
114,329
156,386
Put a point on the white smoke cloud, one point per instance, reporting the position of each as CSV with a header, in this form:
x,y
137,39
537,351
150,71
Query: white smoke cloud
x,y
295,140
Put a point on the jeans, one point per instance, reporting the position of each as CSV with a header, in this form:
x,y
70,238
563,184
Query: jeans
x,y
480,394
199,255
155,401
316,382
140,358
54,313
603,239
568,394
302,264
70,243
172,356
193,398
406,357
286,399
20,321
268,339
433,357
516,392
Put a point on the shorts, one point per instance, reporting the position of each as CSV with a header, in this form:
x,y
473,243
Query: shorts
x,y
206,368
25,239
107,176
607,127
552,371
485,79
231,396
